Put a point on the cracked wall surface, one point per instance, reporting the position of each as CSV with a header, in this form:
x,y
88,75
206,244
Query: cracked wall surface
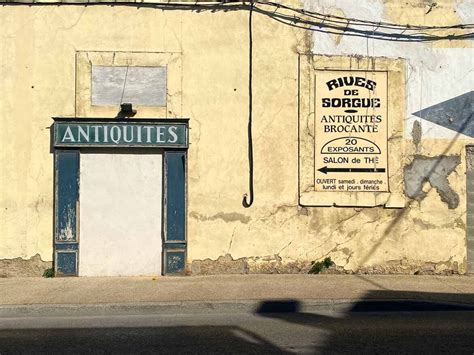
x,y
434,170
427,235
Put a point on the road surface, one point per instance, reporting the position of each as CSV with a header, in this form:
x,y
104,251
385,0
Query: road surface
x,y
360,331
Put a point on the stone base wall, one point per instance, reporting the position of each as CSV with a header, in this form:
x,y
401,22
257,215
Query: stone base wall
x,y
276,265
19,267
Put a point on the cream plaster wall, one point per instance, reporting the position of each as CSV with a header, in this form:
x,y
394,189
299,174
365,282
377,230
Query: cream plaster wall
x,y
39,44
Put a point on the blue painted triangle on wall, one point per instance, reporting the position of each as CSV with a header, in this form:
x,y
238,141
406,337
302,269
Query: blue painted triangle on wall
x,y
455,114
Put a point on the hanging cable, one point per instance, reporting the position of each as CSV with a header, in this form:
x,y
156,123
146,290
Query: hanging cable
x,y
316,22
342,20
247,203
229,5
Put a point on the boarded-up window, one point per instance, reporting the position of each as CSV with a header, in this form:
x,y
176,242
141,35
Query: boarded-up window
x,y
141,86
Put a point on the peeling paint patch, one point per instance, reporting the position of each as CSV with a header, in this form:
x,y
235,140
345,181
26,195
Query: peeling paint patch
x,y
413,267
223,265
470,158
67,233
465,11
276,265
416,133
226,217
435,170
19,267
272,264
402,267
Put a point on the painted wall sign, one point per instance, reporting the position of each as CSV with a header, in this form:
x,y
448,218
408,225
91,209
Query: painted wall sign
x,y
121,134
351,131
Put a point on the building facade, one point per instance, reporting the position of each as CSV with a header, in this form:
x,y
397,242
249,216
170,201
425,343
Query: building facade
x,y
147,138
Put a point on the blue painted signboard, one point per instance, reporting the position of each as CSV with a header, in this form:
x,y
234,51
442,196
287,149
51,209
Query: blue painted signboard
x,y
121,134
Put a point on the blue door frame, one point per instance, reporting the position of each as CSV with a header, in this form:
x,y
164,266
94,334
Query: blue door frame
x,y
66,202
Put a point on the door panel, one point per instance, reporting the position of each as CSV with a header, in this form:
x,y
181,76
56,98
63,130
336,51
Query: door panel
x,y
120,214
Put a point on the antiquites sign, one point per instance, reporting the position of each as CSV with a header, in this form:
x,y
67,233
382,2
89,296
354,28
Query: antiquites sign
x,y
121,134
351,131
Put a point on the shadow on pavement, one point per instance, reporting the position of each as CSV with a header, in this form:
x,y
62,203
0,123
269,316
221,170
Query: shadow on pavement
x,y
413,301
136,340
382,322
388,322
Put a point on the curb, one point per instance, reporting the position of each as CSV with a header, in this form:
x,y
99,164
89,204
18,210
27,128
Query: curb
x,y
166,308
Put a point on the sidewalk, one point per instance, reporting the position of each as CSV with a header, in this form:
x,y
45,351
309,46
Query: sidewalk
x,y
220,291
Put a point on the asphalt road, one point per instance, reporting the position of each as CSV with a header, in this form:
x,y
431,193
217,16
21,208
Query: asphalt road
x,y
362,331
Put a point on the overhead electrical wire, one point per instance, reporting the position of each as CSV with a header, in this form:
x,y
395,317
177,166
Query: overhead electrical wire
x,y
318,22
343,20
297,17
333,24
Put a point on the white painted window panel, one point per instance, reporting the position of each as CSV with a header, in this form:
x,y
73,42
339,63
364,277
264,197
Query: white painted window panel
x,y
140,86
120,214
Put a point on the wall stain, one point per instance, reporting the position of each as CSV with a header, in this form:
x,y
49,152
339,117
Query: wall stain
x,y
416,133
457,223
226,217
